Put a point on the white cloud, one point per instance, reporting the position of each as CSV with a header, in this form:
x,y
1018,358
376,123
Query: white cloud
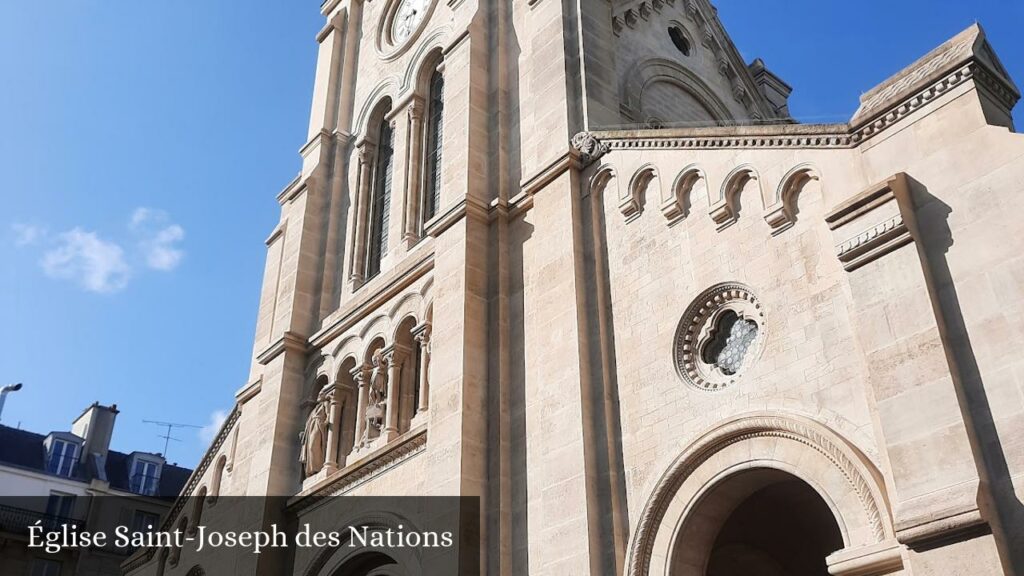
x,y
26,234
158,238
95,264
209,432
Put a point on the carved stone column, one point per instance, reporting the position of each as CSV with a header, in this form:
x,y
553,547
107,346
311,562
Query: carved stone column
x,y
413,187
393,356
361,375
422,335
366,152
336,404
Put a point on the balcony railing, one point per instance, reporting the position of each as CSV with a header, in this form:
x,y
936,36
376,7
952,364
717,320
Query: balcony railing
x,y
18,520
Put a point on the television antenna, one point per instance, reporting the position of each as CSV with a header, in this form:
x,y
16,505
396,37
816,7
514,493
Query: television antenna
x,y
167,435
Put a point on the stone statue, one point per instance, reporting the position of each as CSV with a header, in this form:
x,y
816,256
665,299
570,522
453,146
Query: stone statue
x,y
376,396
314,438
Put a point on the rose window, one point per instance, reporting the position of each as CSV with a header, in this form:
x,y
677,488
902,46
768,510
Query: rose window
x,y
719,337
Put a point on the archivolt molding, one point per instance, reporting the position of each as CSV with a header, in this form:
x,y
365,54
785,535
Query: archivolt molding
x,y
723,211
384,88
663,70
857,471
676,203
434,40
633,202
780,213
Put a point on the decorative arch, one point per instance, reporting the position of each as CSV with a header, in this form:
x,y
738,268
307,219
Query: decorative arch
x,y
218,479
380,326
409,304
782,209
197,509
678,199
348,346
425,58
725,211
837,470
384,91
602,179
636,192
657,70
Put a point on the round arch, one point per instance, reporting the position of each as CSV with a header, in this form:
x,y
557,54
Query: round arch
x,y
657,70
845,479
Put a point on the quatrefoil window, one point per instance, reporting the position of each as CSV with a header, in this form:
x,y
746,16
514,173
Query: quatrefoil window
x,y
719,336
730,342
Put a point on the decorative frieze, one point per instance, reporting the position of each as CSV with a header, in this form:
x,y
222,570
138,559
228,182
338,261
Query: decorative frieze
x,y
871,224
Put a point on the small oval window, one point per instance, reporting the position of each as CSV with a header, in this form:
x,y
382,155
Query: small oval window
x,y
679,39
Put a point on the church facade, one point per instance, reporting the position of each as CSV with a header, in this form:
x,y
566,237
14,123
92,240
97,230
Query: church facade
x,y
577,259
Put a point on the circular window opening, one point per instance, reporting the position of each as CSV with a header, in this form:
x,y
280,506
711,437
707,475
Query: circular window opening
x,y
719,336
679,39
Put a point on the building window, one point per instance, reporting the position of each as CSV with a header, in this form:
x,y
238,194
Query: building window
x,y
380,203
145,477
731,342
432,150
60,505
44,567
675,33
720,336
145,522
63,457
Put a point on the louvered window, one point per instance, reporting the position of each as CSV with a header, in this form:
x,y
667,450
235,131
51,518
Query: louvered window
x,y
432,173
380,204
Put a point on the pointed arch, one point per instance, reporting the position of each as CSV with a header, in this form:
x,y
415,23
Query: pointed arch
x,y
679,198
725,211
782,210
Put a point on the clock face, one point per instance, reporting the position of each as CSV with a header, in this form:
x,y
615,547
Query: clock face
x,y
407,17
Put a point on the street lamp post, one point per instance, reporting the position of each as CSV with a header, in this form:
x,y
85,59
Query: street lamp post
x,y
3,395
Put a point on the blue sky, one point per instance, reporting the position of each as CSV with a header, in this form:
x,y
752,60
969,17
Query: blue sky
x,y
144,142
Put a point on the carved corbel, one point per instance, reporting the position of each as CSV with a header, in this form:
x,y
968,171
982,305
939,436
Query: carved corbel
x,y
588,147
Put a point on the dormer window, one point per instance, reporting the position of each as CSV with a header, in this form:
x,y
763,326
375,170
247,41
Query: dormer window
x,y
62,458
145,476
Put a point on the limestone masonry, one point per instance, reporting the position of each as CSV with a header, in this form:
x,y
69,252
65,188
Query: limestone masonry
x,y
578,260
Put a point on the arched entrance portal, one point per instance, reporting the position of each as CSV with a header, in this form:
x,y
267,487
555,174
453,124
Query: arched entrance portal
x,y
760,522
761,492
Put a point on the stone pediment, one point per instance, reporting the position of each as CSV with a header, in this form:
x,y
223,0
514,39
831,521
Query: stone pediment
x,y
969,46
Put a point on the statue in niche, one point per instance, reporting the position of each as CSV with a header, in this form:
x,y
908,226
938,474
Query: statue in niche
x,y
313,437
376,401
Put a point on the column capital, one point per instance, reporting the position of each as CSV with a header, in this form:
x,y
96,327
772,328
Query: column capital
x,y
361,374
416,108
395,353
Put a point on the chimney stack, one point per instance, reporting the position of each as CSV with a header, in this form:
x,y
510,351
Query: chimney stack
x,y
96,426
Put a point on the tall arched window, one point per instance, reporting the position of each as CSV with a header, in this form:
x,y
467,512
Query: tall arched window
x,y
432,149
380,202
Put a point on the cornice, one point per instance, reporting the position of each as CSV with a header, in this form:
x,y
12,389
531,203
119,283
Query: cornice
x,y
290,190
371,466
394,283
289,341
249,391
879,229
